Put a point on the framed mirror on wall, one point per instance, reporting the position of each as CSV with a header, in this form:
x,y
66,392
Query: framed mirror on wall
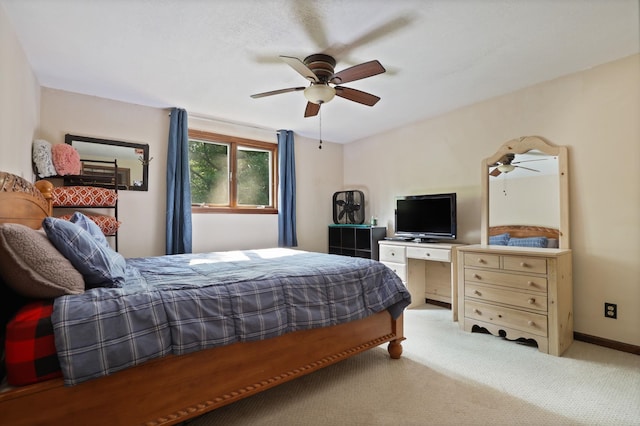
x,y
525,184
132,160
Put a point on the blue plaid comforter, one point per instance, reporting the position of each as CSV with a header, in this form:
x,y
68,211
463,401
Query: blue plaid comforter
x,y
184,303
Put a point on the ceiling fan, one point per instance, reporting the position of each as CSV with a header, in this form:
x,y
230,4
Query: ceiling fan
x,y
506,165
318,69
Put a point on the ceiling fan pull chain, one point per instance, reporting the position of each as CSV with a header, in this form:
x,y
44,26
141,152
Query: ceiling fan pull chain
x,y
320,133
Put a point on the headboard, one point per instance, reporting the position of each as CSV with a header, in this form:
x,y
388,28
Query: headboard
x,y
524,231
24,202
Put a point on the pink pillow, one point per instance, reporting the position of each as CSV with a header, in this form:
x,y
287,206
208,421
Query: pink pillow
x,y
66,159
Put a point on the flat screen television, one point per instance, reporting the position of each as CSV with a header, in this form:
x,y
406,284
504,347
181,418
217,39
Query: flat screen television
x,y
428,217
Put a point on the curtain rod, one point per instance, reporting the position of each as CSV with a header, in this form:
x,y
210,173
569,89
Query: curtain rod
x,y
235,123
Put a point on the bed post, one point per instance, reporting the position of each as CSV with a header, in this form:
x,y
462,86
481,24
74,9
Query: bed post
x,y
395,346
45,187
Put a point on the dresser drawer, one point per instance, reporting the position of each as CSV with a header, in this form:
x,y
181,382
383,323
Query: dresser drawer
x,y
389,253
506,317
482,260
427,253
531,301
525,264
522,282
399,268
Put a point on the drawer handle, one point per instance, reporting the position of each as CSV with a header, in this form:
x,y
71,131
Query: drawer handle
x,y
531,284
524,264
532,301
481,260
476,311
531,323
393,254
476,276
427,254
476,292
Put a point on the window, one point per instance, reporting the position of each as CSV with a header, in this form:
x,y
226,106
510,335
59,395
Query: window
x,y
231,175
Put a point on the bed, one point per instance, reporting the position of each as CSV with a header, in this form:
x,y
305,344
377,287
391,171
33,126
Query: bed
x,y
172,388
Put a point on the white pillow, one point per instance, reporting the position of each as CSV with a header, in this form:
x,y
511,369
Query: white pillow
x,y
42,158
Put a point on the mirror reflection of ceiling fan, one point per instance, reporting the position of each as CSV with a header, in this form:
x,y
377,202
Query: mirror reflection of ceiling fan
x,y
507,165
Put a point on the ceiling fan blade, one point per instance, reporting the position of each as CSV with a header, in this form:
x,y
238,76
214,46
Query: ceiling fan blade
x,y
357,96
527,168
308,14
527,161
277,92
385,29
495,172
357,72
312,109
300,67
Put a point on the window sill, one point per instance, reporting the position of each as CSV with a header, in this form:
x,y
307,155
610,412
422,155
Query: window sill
x,y
233,210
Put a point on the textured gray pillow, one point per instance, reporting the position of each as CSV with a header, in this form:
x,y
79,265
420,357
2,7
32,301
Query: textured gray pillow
x,y
33,267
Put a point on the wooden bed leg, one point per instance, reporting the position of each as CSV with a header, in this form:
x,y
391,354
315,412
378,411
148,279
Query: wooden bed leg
x,y
395,348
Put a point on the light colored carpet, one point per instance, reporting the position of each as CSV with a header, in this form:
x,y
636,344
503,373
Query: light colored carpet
x,y
449,377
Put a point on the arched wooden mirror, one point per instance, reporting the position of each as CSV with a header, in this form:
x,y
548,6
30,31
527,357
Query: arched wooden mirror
x,y
525,191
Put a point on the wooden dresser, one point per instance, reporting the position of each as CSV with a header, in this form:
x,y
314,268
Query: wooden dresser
x,y
517,293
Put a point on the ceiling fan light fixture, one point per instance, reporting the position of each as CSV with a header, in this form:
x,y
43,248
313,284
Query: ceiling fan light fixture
x,y
319,93
506,168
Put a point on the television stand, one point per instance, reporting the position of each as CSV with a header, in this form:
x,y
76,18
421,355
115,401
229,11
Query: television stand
x,y
428,270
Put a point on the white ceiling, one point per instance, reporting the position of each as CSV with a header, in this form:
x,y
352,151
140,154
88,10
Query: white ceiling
x,y
209,56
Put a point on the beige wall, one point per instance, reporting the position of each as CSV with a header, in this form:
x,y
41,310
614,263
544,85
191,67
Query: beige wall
x,y
596,114
142,232
19,103
319,174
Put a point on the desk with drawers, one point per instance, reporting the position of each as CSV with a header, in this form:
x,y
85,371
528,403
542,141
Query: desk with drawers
x,y
427,269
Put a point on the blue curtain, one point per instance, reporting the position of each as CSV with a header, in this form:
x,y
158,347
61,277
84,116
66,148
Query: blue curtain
x,y
287,190
178,186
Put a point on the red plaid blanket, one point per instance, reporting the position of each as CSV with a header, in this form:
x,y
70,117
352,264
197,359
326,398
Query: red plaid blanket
x,y
30,352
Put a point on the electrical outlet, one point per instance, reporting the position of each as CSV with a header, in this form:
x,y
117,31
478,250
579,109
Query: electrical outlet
x,y
610,310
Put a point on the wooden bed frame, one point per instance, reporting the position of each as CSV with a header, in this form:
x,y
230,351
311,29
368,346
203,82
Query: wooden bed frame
x,y
175,388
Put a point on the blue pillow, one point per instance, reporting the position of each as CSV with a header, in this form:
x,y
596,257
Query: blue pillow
x,y
539,242
499,240
100,266
91,227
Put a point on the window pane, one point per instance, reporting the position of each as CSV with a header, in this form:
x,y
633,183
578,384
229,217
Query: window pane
x,y
209,172
253,177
